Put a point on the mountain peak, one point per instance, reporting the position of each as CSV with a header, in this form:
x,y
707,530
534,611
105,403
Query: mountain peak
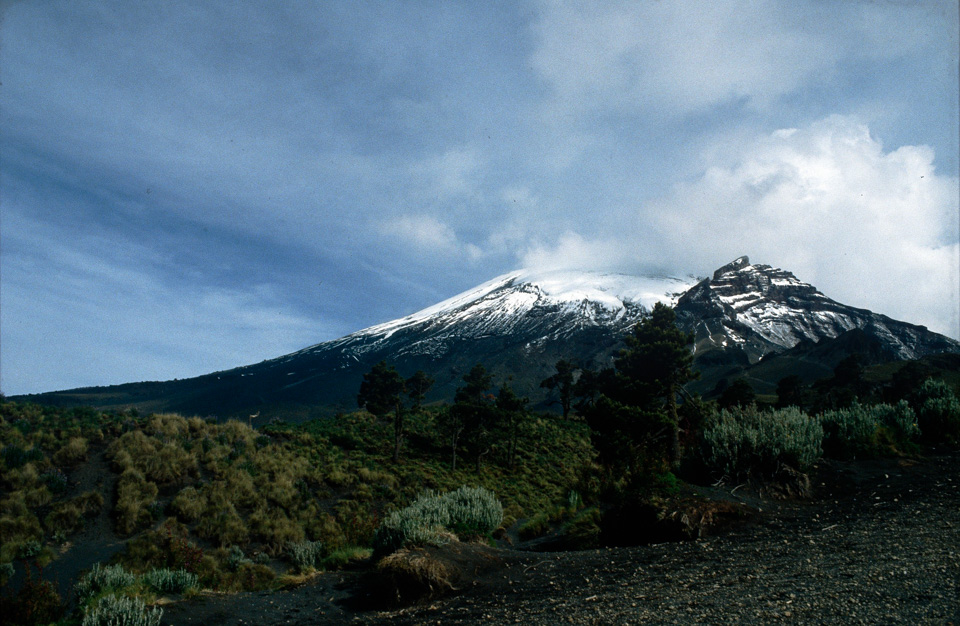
x,y
738,263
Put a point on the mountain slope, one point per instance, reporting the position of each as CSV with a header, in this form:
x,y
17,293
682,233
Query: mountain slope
x,y
519,324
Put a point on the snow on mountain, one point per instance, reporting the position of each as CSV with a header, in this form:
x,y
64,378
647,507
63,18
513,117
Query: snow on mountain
x,y
523,302
762,309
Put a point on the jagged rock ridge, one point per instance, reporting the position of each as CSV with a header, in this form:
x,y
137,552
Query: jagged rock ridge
x,y
759,309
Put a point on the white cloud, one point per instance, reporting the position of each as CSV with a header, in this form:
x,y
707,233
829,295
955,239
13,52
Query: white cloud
x,y
869,227
454,173
423,232
572,251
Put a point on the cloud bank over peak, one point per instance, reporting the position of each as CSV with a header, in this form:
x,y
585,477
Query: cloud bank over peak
x,y
870,227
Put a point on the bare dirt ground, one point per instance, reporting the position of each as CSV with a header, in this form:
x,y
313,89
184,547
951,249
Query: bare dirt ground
x,y
879,543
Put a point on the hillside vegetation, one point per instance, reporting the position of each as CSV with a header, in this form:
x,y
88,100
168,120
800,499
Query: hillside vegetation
x,y
196,504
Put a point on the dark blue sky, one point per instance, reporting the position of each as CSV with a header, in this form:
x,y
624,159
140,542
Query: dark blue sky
x,y
192,186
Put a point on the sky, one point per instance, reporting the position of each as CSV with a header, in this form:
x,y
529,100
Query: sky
x,y
187,187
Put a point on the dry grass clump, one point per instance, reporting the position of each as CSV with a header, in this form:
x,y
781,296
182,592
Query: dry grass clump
x,y
67,517
18,526
189,504
272,527
73,453
162,461
234,432
171,464
169,425
134,495
415,573
223,525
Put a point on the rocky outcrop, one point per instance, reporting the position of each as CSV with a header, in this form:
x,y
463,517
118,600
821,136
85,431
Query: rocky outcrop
x,y
756,310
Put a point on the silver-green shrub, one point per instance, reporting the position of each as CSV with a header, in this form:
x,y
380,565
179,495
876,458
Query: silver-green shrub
x,y
122,611
100,579
744,441
305,554
467,511
170,580
236,558
855,430
850,431
938,412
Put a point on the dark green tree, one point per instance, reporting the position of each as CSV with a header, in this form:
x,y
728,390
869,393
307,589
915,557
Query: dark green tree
x,y
790,392
655,365
739,394
563,382
513,417
417,387
473,409
381,393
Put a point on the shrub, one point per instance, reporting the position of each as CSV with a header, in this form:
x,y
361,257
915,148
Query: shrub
x,y
468,511
134,495
102,579
849,432
938,412
236,558
169,580
122,611
744,441
472,511
306,555
72,453
865,430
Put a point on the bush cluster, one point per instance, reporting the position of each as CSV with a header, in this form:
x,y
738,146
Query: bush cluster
x,y
468,511
739,442
102,579
170,580
862,430
938,412
306,555
114,610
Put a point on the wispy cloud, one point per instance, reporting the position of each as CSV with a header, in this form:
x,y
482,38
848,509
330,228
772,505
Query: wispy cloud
x,y
334,165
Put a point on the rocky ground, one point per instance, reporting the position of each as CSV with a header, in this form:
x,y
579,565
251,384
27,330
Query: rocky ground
x,y
879,543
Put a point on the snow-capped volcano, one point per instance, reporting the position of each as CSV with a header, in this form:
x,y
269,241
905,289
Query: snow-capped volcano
x,y
520,324
537,305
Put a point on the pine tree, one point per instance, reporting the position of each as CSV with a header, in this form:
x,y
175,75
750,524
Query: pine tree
x,y
563,382
513,416
655,365
417,387
382,392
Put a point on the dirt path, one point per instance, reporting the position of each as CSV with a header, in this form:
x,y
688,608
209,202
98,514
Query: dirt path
x,y
96,542
879,544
